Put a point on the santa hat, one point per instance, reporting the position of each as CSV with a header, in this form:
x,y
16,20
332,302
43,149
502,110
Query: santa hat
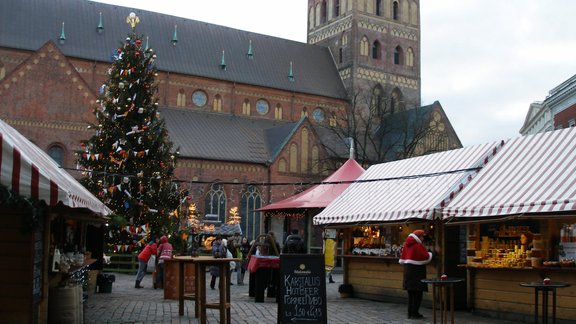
x,y
419,232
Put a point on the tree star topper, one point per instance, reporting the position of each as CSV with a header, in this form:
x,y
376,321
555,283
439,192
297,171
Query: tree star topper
x,y
133,20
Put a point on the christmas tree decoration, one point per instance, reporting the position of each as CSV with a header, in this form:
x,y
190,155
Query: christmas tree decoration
x,y
129,161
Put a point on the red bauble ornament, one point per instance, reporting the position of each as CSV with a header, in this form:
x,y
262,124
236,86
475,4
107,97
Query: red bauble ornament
x,y
137,54
138,41
119,50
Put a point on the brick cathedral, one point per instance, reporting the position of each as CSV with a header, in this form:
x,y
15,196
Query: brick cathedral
x,y
248,111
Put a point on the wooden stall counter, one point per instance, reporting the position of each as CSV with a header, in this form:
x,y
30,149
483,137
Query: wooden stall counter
x,y
498,290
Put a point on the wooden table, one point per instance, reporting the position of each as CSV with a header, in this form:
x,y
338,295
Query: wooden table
x,y
264,274
201,263
443,288
545,288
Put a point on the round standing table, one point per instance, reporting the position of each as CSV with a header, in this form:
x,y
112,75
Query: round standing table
x,y
442,289
545,289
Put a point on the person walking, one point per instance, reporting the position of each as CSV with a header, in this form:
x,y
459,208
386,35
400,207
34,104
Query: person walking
x,y
414,257
165,251
244,250
149,250
234,248
218,251
294,243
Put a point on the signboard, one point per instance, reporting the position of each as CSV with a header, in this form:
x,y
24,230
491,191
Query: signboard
x,y
302,289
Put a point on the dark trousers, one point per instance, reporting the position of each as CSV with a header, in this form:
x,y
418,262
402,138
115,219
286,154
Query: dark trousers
x,y
414,301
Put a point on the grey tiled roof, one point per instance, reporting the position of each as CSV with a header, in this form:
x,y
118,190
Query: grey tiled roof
x,y
224,137
28,24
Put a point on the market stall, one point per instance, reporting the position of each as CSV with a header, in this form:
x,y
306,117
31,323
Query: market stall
x,y
520,214
298,210
47,219
389,201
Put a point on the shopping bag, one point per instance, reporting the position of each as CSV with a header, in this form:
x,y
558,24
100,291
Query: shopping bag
x,y
151,267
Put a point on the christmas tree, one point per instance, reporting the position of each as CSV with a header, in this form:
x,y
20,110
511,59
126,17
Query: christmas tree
x,y
129,163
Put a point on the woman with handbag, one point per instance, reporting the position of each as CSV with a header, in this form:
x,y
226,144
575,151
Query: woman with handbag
x,y
143,258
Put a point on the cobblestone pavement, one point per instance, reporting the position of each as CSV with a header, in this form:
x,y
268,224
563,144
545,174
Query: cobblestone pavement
x,y
127,305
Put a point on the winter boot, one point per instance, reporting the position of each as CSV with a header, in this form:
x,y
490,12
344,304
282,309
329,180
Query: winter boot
x,y
330,280
137,285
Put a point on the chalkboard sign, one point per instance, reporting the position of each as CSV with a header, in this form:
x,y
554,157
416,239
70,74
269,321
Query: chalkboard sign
x,y
302,296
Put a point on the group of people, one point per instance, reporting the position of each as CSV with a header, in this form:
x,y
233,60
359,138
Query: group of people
x,y
236,247
161,249
414,257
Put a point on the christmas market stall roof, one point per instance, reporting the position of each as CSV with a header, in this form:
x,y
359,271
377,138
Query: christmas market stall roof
x,y
319,196
407,190
29,172
533,175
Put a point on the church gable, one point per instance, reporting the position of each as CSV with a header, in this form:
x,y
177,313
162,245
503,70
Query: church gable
x,y
46,87
302,152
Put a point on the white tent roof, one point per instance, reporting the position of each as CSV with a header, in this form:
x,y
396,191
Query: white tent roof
x,y
30,172
407,189
534,174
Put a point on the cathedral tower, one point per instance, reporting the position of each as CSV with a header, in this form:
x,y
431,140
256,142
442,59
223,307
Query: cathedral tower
x,y
376,46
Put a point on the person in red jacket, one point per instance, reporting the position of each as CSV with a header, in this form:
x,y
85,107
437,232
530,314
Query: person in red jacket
x,y
414,257
165,251
143,258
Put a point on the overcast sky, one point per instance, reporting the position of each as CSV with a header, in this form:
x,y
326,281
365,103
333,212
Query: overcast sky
x,y
484,61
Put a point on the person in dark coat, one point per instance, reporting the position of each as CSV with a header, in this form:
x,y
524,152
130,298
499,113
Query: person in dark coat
x,y
414,257
218,251
294,243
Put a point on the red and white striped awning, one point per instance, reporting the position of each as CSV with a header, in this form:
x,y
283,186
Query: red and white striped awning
x,y
408,189
30,172
534,174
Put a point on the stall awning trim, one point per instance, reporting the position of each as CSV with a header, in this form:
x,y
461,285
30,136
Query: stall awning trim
x,y
533,174
410,189
30,172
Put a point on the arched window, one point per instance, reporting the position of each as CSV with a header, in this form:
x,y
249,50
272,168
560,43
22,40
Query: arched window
x,y
304,151
181,98
414,13
340,55
398,55
378,102
323,13
282,165
56,152
304,112
246,107
364,46
317,14
336,8
344,39
395,8
278,111
409,57
379,8
217,103
376,50
215,202
293,158
250,202
315,159
397,100
332,120
311,17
